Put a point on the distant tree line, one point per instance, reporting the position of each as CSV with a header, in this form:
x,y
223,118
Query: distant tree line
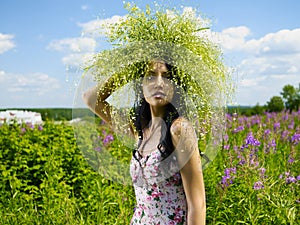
x,y
58,114
289,100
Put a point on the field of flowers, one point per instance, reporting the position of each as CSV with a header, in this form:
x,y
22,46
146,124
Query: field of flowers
x,y
255,178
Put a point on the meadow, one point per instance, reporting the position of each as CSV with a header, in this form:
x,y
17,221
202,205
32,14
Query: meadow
x,y
255,178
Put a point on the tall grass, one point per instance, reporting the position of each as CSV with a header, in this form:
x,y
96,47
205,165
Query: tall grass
x,y
253,180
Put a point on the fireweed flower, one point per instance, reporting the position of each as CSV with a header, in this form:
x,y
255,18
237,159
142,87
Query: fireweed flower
x,y
242,119
108,139
225,138
226,147
271,145
238,129
258,185
285,116
284,134
291,159
295,139
242,161
267,132
253,160
291,125
262,172
290,179
250,140
255,120
227,179
276,126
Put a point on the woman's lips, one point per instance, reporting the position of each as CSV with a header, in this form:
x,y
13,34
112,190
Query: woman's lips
x,y
159,95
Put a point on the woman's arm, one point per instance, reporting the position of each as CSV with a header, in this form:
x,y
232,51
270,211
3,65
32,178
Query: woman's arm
x,y
186,146
95,99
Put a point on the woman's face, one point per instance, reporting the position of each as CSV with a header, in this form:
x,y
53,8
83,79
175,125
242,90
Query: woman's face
x,y
158,89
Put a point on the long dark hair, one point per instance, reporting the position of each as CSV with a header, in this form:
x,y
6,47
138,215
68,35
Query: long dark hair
x,y
142,115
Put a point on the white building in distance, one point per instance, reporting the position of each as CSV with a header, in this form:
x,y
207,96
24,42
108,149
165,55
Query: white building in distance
x,y
9,116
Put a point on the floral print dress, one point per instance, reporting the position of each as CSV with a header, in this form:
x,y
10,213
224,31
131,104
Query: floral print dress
x,y
161,200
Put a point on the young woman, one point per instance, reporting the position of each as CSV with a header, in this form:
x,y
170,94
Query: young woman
x,y
164,195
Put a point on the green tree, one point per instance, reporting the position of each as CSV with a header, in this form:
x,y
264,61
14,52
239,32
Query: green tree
x,y
275,104
291,95
257,109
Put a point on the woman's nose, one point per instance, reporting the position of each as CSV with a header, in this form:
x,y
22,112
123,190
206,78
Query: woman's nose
x,y
159,81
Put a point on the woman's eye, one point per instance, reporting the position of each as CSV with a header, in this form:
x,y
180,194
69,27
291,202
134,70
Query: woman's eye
x,y
150,78
168,76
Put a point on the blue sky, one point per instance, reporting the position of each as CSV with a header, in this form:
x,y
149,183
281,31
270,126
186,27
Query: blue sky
x,y
40,39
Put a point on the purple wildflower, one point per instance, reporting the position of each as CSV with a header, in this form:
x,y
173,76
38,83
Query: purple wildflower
x,y
285,116
267,132
30,125
252,141
291,125
272,143
98,149
227,179
238,129
287,173
108,139
40,128
225,137
242,119
258,185
276,126
242,162
262,171
226,147
284,134
291,159
295,138
290,179
255,120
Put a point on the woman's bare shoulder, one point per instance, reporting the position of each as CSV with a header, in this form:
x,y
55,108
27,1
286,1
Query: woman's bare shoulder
x,y
180,125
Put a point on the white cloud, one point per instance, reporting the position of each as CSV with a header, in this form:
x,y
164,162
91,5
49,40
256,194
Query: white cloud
x,y
79,50
96,28
80,44
33,90
234,38
266,64
252,82
6,42
84,7
77,60
35,83
281,42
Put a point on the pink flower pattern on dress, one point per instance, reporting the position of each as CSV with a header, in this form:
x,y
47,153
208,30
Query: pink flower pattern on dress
x,y
160,201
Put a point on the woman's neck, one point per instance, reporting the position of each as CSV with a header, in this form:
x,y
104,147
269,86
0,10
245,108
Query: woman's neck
x,y
157,113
